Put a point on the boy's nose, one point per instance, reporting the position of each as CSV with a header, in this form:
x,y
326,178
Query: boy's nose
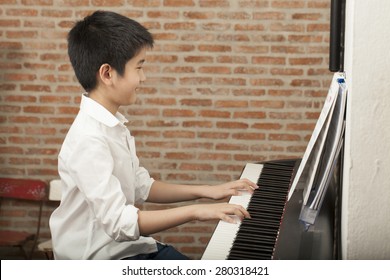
x,y
142,77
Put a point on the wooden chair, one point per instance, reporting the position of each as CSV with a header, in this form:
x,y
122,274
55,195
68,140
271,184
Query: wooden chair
x,y
27,190
54,195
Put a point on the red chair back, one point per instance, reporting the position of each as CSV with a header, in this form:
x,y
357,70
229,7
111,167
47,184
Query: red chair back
x,y
23,189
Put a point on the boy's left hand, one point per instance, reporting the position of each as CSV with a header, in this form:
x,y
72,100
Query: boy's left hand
x,y
231,188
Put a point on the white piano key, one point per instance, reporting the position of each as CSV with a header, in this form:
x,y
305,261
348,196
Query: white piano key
x,y
252,171
225,233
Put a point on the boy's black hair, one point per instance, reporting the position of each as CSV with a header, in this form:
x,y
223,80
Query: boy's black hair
x,y
104,37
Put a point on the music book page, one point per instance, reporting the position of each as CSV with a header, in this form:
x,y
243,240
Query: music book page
x,y
322,151
318,130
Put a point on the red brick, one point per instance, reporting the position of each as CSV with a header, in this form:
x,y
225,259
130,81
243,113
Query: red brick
x,y
37,23
305,83
162,123
267,126
163,14
39,109
268,104
232,147
284,137
198,124
10,108
215,27
21,34
37,2
250,115
179,239
179,3
20,77
215,70
107,3
149,155
232,125
266,82
179,156
178,113
214,156
161,101
269,60
39,88
214,3
248,136
274,15
213,135
196,102
215,48
232,59
11,45
198,166
180,26
143,3
301,126
287,4
181,177
11,150
9,23
179,69
199,15
214,114
178,134
199,59
305,38
24,161
23,140
231,104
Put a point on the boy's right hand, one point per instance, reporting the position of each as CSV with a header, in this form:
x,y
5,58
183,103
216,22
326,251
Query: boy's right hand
x,y
221,211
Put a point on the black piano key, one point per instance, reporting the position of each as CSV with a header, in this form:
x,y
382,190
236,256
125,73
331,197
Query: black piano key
x,y
257,236
255,240
251,252
264,232
254,235
252,248
245,255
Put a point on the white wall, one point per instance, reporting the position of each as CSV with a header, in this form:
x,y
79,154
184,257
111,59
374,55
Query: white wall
x,y
366,200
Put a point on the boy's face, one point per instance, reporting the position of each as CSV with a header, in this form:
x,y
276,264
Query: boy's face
x,y
125,86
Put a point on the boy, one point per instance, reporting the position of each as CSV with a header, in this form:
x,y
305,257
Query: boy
x,y
98,166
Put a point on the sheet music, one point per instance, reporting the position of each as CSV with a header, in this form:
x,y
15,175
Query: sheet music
x,y
328,161
303,175
334,139
320,157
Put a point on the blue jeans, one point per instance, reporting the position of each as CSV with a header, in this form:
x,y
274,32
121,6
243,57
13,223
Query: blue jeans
x,y
164,252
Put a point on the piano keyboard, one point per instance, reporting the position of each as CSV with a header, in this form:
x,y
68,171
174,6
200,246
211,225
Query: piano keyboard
x,y
217,248
254,238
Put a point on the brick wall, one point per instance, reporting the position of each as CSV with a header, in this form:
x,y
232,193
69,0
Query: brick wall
x,y
228,82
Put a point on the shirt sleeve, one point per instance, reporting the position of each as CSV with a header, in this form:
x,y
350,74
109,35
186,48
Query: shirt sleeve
x,y
91,166
144,183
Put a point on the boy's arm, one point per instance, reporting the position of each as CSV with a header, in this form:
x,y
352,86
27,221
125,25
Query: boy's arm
x,y
150,222
161,192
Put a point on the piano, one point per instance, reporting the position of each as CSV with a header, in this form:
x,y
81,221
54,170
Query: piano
x,y
274,231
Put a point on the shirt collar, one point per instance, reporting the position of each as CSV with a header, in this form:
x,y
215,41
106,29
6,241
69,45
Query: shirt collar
x,y
99,113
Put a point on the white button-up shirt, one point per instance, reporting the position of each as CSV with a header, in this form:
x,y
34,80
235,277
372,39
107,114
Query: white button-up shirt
x,y
101,182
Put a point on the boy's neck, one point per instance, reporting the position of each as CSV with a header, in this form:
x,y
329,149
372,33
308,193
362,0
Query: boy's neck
x,y
102,100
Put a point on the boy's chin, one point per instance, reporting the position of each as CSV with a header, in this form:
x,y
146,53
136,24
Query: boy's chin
x,y
132,101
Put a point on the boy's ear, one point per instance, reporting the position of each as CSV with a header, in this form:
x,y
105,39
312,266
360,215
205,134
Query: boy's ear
x,y
105,73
